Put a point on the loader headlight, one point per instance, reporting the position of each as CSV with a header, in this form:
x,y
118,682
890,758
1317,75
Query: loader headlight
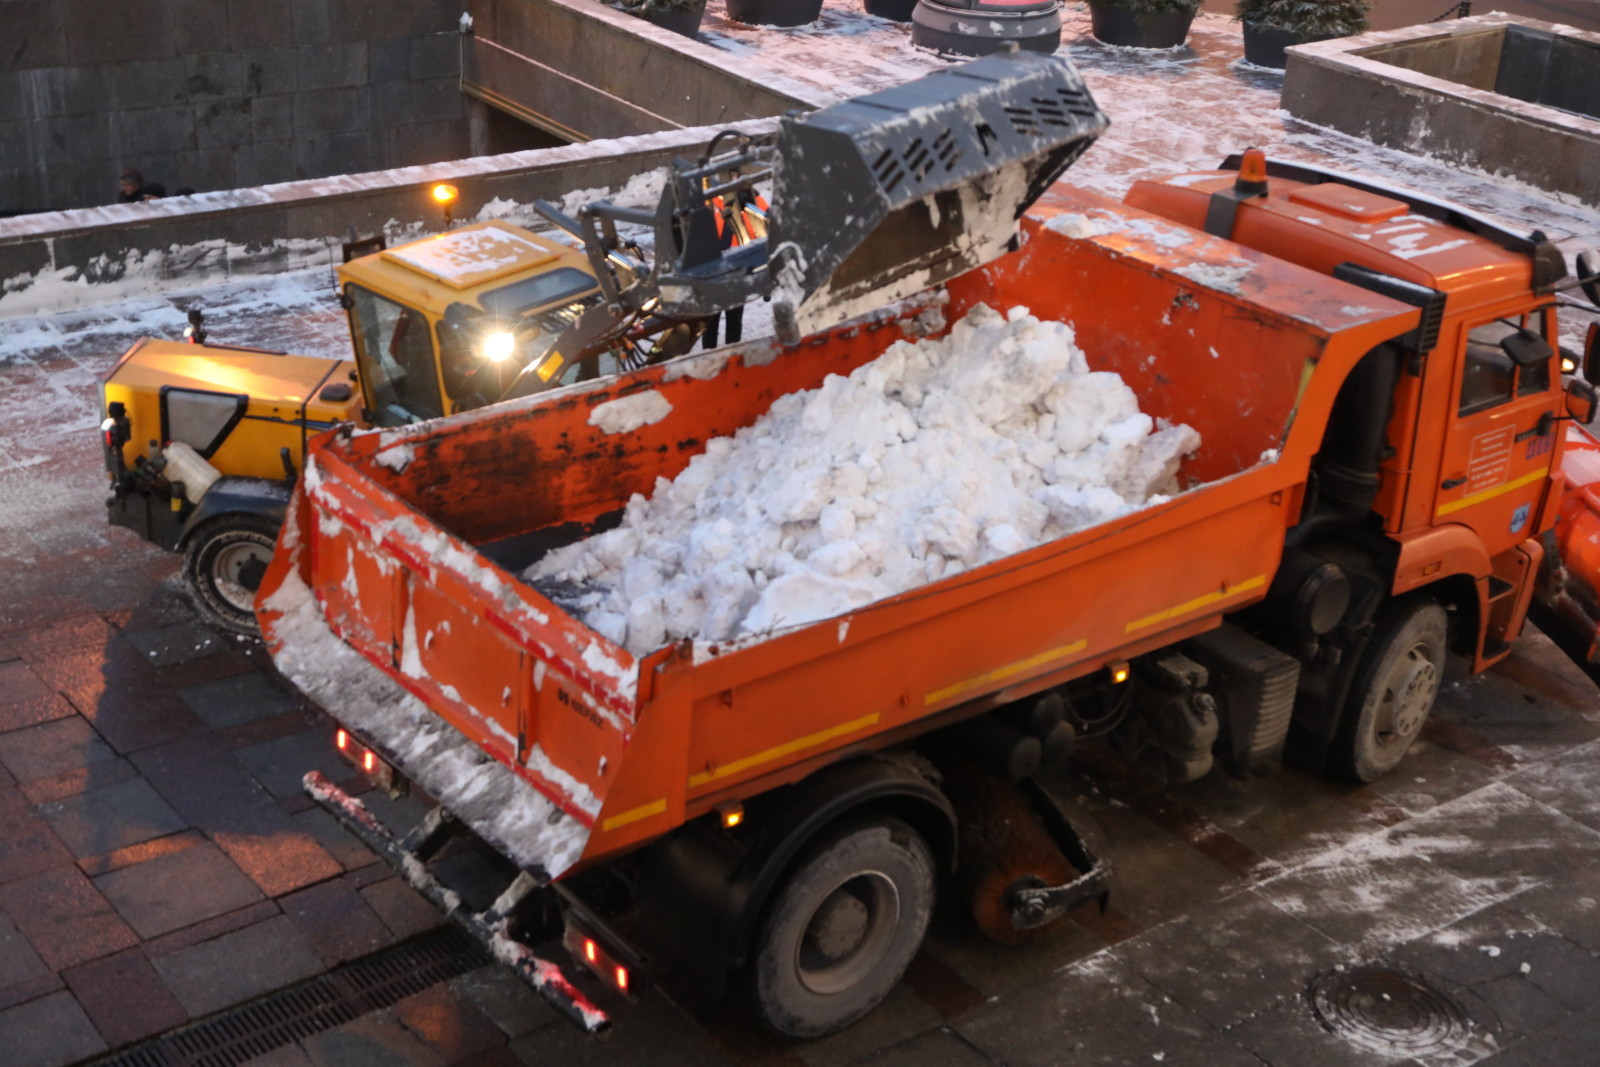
x,y
498,346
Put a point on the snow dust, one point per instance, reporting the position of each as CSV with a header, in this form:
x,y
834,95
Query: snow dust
x,y
937,457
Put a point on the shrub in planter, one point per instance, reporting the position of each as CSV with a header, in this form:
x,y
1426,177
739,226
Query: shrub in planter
x,y
1270,26
679,16
1143,23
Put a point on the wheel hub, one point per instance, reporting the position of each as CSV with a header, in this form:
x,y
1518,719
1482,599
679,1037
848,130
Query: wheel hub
x,y
239,569
1410,694
848,933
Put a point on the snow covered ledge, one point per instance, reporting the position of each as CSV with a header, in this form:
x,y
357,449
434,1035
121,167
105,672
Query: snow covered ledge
x,y
185,241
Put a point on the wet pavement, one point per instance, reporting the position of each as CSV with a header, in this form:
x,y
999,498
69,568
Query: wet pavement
x,y
158,864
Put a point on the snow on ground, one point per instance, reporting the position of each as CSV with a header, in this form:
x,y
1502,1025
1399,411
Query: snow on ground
x,y
937,457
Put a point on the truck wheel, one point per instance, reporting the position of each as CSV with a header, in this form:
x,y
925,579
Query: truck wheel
x,y
223,564
1393,691
843,928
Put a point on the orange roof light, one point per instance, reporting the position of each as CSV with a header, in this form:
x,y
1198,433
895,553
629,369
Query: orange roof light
x,y
444,193
1253,167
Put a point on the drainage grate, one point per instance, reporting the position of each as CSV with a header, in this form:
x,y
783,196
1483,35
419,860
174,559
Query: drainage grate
x,y
1392,1012
318,1004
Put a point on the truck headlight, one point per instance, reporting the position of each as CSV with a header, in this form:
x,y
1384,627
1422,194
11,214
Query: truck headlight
x,y
498,346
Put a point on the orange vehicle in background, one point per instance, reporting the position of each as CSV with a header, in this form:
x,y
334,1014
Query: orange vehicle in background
x,y
1375,380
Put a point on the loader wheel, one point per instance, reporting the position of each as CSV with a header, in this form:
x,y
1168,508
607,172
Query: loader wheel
x,y
843,928
223,565
1393,691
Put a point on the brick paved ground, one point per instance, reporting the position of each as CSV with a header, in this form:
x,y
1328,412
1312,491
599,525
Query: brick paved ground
x,y
158,864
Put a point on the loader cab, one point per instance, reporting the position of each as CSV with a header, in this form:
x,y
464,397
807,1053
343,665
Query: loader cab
x,y
461,319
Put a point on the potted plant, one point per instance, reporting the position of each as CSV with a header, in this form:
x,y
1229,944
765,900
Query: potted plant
x,y
774,12
1143,23
679,16
1270,26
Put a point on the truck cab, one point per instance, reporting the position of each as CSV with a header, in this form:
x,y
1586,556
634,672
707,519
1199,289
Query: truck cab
x,y
203,442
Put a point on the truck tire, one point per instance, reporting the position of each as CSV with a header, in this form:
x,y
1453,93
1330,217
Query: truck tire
x,y
843,927
223,564
1394,689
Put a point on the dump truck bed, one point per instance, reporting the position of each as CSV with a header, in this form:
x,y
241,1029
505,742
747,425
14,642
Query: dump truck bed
x,y
386,603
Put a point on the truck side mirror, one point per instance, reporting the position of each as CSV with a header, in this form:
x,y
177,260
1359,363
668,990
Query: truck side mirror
x,y
1588,270
1580,401
1526,348
1591,354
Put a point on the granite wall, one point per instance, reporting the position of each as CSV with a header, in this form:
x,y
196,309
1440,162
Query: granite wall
x,y
218,94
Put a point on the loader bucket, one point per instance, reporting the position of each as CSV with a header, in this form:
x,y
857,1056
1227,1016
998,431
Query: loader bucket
x,y
884,195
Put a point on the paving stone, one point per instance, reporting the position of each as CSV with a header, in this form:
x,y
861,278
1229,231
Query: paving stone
x,y
650,1031
33,989
1566,1044
1096,1012
49,1032
18,962
448,1024
185,641
25,700
233,701
65,918
375,1040
238,966
201,779
902,1015
999,969
177,890
104,820
125,998
282,1056
1231,960
112,687
335,839
71,783
53,748
270,847
506,999
280,764
86,630
1289,1034
27,845
207,929
402,909
337,922
935,1048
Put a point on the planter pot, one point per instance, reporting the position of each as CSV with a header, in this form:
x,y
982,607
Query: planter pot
x,y
774,12
894,10
1117,25
1264,45
686,23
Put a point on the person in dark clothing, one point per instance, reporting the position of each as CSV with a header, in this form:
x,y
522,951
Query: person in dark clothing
x,y
132,187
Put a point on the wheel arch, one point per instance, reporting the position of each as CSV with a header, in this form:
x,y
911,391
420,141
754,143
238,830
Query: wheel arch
x,y
854,789
235,496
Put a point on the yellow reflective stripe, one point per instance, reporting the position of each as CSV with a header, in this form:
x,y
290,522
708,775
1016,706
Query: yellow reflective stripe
x,y
1004,672
1490,494
1197,603
643,811
779,751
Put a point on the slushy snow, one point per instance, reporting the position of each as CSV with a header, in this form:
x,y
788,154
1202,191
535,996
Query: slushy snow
x,y
939,456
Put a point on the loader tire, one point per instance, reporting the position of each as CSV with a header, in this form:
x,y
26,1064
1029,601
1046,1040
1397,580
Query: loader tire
x,y
222,566
843,927
1394,689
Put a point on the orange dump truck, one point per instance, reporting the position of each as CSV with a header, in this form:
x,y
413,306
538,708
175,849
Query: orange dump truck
x,y
1375,381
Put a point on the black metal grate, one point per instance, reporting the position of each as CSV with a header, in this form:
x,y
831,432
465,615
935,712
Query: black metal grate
x,y
1056,111
315,1005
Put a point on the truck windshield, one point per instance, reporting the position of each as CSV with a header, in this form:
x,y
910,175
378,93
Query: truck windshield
x,y
394,349
509,301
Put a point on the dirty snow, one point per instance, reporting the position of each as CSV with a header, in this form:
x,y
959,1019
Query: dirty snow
x,y
937,457
629,413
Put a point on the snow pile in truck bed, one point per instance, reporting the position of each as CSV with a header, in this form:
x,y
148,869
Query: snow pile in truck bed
x,y
936,457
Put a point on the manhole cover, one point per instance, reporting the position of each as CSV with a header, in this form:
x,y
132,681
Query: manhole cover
x,y
1390,1011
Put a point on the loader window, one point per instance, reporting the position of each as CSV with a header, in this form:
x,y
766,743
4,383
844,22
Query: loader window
x,y
395,349
1491,376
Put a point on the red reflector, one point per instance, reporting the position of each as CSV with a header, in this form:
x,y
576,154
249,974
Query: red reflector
x,y
622,978
341,740
107,436
367,762
589,949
